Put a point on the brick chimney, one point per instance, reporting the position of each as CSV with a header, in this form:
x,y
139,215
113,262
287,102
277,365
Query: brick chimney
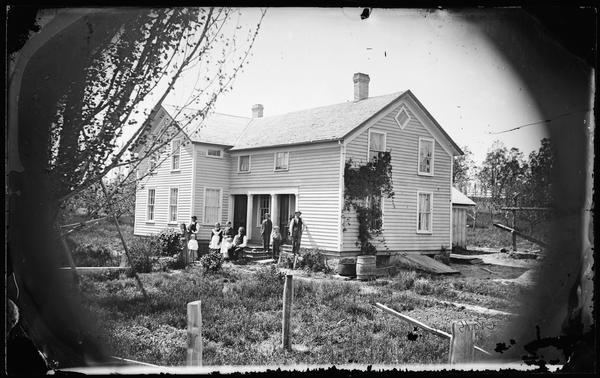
x,y
361,86
257,111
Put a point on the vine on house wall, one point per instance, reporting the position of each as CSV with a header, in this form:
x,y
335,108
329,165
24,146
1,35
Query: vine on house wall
x,y
363,185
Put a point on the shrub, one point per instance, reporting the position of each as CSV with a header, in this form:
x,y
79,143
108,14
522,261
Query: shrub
x,y
140,256
270,275
93,255
423,286
314,261
286,261
170,242
212,262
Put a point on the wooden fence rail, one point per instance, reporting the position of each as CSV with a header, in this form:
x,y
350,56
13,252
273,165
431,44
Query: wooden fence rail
x,y
520,234
461,340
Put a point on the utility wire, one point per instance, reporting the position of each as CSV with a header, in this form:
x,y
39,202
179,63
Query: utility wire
x,y
538,122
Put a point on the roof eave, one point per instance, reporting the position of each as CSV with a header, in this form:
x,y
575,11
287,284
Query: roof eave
x,y
234,149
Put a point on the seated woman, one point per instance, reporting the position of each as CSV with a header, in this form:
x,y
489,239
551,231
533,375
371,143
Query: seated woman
x,y
239,243
216,236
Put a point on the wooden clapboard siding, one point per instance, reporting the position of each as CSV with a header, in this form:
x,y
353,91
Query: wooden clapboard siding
x,y
162,181
210,173
400,213
459,226
314,173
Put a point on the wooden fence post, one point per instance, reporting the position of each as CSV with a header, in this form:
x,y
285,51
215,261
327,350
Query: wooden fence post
x,y
462,342
194,331
288,293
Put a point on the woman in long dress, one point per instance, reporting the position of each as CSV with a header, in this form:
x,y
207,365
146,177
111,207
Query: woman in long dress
x,y
216,236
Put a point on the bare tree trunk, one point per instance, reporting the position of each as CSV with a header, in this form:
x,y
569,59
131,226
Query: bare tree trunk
x,y
114,215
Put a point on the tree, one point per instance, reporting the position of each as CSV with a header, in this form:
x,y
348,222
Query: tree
x,y
462,169
73,89
502,174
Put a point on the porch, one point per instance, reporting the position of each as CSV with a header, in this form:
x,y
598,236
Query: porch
x,y
248,208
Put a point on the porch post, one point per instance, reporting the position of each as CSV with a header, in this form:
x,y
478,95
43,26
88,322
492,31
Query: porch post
x,y
230,209
275,209
249,216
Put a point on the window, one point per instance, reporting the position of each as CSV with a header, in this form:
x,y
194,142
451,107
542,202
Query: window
x,y
213,153
426,156
175,154
212,205
375,203
244,163
264,206
424,212
173,205
151,199
376,144
281,161
402,118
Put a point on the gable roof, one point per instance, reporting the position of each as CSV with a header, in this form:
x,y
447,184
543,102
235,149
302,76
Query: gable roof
x,y
316,125
458,198
216,128
325,123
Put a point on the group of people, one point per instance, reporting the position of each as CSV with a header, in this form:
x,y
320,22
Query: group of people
x,y
231,245
270,233
227,242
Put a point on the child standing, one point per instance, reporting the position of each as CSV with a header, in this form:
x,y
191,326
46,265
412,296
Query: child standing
x,y
276,237
193,248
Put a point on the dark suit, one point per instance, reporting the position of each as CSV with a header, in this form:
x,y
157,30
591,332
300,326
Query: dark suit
x,y
265,230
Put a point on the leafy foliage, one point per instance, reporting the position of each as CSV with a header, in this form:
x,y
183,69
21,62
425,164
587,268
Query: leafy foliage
x,y
212,262
463,168
140,254
170,242
93,255
314,261
364,187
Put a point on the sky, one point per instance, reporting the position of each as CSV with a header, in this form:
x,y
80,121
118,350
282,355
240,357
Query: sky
x,y
306,58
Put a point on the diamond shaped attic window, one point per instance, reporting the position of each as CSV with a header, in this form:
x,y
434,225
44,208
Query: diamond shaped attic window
x,y
402,118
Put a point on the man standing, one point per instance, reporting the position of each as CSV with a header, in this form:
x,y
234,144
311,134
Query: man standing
x,y
265,231
296,228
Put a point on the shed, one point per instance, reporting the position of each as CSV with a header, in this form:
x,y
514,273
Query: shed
x,y
460,205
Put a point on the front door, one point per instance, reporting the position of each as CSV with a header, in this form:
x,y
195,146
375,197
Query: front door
x,y
240,205
284,215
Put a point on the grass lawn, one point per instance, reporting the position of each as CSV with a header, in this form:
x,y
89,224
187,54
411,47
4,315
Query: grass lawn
x,y
333,321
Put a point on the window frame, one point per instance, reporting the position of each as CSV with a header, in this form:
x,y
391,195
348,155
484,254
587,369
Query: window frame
x,y
430,231
260,214
220,206
371,131
287,168
249,163
169,221
178,141
419,172
148,220
220,150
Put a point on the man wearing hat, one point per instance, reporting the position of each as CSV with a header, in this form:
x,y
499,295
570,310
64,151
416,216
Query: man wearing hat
x,y
265,231
296,228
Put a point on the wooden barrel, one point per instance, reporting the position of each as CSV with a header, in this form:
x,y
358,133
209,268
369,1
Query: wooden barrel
x,y
347,267
365,267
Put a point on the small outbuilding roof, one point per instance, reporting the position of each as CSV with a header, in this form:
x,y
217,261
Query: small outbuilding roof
x,y
458,198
